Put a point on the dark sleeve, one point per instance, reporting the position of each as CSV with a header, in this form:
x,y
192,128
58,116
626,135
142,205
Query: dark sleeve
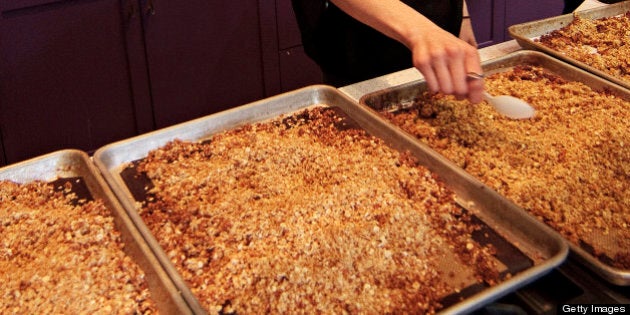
x,y
308,14
346,48
571,5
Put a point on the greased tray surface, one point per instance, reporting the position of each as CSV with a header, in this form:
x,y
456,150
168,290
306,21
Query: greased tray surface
x,y
403,96
526,34
522,235
76,166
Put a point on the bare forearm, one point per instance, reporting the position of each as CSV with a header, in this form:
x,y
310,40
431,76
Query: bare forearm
x,y
466,32
390,17
441,57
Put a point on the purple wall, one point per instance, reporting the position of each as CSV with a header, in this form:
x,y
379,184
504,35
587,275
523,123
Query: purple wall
x,y
82,74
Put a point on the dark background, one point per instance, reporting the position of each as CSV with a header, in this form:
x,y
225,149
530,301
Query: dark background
x,y
84,73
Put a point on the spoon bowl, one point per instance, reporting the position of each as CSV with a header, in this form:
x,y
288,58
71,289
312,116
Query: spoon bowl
x,y
510,106
506,105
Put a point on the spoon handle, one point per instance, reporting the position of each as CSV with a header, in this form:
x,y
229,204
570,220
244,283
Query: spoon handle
x,y
475,76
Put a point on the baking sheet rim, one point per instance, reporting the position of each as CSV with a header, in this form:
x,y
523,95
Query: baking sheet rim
x,y
56,167
611,274
527,42
316,94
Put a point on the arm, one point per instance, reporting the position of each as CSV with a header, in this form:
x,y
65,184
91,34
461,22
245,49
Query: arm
x,y
442,58
467,33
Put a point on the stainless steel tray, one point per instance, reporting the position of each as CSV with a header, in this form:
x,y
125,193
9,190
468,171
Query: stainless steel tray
x,y
526,33
404,94
533,240
76,164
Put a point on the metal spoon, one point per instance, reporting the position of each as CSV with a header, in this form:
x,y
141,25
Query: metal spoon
x,y
509,106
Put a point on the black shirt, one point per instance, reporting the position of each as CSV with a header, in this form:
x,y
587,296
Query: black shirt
x,y
349,51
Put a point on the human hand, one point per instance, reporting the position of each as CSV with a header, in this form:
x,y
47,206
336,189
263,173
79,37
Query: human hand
x,y
444,60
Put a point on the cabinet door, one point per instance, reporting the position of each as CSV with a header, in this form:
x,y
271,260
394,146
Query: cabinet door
x,y
64,76
521,11
203,56
488,20
491,18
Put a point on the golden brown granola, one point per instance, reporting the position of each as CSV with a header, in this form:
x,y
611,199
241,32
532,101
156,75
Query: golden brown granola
x,y
307,215
599,43
62,255
569,166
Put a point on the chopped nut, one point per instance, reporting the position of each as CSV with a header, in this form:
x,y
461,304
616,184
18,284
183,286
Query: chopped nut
x,y
322,241
555,165
63,258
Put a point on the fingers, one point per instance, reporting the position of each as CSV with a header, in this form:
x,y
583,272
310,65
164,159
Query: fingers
x,y
433,63
429,74
475,87
445,62
457,71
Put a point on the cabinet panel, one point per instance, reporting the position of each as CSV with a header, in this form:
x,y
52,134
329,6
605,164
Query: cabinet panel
x,y
521,11
203,57
64,78
488,20
491,18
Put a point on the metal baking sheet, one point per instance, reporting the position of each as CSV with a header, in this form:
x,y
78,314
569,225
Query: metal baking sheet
x,y
75,164
531,239
403,95
526,33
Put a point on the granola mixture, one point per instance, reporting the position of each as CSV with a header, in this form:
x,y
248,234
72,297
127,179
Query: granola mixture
x,y
307,215
600,43
569,165
61,255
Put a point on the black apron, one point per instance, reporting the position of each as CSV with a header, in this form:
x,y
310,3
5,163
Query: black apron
x,y
349,51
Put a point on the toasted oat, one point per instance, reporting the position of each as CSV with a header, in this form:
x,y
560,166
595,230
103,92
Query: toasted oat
x,y
600,43
306,215
60,258
569,166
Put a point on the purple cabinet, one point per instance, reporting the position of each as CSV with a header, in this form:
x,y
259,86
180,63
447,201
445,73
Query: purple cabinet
x,y
81,74
520,11
491,18
64,76
488,20
202,56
